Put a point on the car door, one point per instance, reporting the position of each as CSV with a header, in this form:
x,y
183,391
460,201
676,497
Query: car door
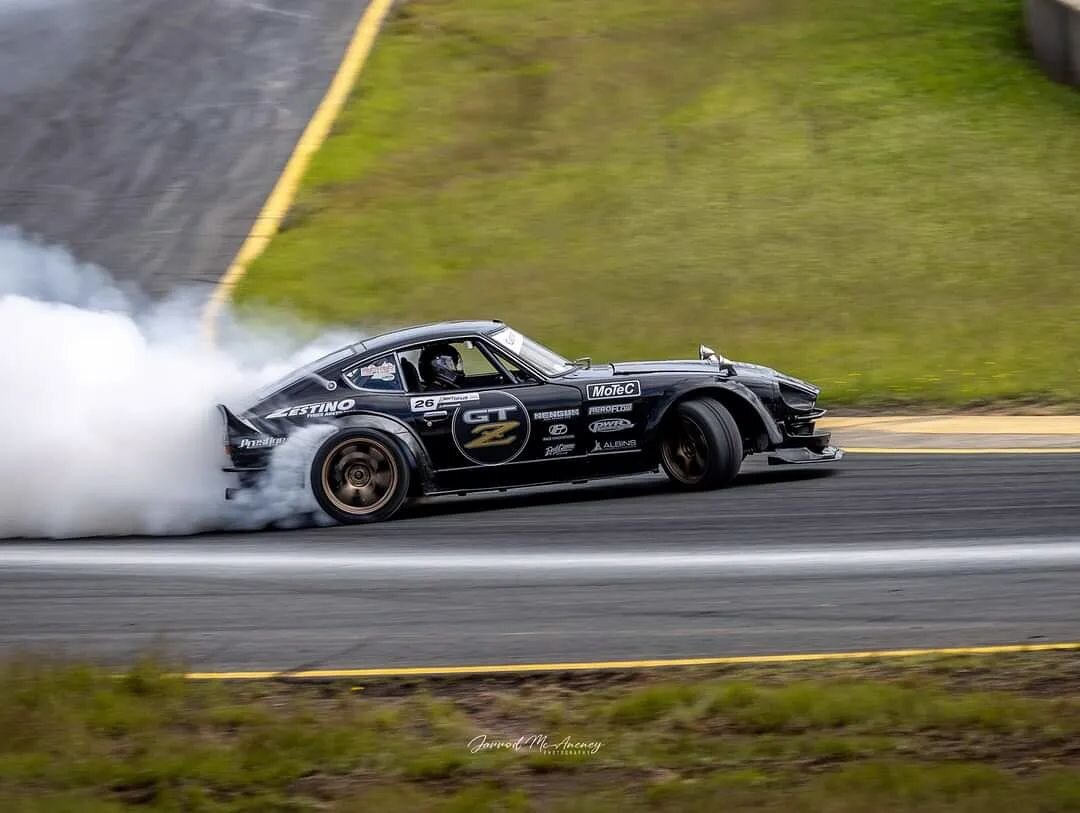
x,y
497,433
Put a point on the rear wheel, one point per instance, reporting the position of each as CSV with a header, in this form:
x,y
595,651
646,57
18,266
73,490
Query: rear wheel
x,y
701,446
360,475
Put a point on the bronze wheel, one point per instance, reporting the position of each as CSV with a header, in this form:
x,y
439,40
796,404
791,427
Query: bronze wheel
x,y
701,445
359,476
685,451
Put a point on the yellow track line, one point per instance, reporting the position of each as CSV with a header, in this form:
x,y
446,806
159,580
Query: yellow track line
x,y
282,195
579,666
915,450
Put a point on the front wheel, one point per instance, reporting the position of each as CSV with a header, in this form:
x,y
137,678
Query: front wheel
x,y
701,446
360,475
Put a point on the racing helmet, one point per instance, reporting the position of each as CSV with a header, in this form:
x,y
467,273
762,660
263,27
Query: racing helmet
x,y
440,367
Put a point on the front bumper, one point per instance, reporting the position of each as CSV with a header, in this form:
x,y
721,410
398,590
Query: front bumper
x,y
798,455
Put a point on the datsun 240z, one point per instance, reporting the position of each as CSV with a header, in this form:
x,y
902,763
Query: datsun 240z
x,y
457,407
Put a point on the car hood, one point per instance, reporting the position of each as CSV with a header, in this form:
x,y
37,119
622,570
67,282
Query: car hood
x,y
743,370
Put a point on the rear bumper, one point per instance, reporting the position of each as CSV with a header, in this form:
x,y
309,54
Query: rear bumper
x,y
242,479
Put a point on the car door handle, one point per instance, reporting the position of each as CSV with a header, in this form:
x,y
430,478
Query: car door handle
x,y
435,416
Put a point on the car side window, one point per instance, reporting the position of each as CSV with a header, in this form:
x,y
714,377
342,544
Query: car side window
x,y
522,375
478,370
379,374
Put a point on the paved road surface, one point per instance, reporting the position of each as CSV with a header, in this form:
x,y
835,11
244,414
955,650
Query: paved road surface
x,y
145,135
880,552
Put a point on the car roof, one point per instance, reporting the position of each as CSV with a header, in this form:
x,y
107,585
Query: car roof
x,y
420,334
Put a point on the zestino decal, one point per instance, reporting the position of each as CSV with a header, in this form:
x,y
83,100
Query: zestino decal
x,y
314,410
494,430
427,402
614,389
611,425
610,409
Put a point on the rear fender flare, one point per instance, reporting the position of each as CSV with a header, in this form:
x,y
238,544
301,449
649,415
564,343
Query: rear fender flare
x,y
402,433
753,417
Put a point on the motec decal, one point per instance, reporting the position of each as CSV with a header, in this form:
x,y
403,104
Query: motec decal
x,y
314,410
494,430
614,389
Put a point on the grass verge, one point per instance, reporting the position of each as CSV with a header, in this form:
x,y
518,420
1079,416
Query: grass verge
x,y
957,734
879,197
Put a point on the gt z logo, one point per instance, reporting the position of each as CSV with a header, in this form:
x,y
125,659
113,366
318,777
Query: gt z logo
x,y
493,434
485,415
490,426
614,389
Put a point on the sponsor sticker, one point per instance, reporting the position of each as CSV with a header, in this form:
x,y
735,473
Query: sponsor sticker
x,y
426,402
557,429
558,450
510,338
610,409
555,414
380,372
314,410
259,443
614,389
611,425
492,432
601,446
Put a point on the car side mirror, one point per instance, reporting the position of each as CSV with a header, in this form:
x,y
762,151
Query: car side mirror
x,y
706,353
585,362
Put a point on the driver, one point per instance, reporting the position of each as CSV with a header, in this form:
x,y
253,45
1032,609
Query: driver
x,y
440,367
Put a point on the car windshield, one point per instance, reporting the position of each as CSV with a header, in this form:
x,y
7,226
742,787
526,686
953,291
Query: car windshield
x,y
546,361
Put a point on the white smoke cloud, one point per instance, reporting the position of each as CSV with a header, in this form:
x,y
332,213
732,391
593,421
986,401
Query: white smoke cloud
x,y
107,407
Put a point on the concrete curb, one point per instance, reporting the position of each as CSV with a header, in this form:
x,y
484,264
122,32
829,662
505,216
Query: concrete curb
x,y
989,434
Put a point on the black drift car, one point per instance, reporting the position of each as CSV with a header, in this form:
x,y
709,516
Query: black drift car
x,y
519,415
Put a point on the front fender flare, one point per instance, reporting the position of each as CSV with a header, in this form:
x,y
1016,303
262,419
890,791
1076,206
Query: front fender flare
x,y
737,397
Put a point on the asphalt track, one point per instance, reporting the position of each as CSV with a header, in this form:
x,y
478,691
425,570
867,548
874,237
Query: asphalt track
x,y
145,136
878,552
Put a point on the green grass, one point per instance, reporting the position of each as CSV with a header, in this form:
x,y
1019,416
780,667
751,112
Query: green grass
x,y
938,735
880,197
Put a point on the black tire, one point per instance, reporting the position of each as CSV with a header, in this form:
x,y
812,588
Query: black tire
x,y
701,445
360,475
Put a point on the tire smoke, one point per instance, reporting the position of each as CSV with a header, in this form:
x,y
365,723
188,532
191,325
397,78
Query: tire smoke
x,y
107,406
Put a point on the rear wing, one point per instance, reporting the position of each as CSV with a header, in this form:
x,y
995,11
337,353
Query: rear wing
x,y
235,426
246,444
